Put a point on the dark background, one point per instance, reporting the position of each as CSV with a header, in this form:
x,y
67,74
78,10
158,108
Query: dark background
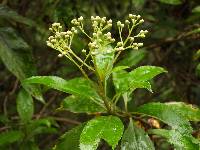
x,y
173,42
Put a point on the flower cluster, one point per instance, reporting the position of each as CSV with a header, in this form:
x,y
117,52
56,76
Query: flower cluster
x,y
99,39
128,42
61,41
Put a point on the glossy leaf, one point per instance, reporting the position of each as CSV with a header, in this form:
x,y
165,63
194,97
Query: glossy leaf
x,y
109,128
190,112
76,86
7,13
124,82
132,58
104,61
172,2
145,73
79,104
179,140
10,137
180,134
17,57
25,106
135,138
166,114
70,140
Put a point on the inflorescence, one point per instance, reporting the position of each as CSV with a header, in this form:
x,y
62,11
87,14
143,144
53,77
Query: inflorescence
x,y
100,37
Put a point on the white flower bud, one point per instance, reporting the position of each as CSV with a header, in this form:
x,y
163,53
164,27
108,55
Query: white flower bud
x,y
140,44
80,18
60,55
132,39
109,21
119,44
141,21
127,22
130,16
119,23
83,51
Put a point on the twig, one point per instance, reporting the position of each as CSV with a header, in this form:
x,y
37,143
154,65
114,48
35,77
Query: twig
x,y
66,120
46,105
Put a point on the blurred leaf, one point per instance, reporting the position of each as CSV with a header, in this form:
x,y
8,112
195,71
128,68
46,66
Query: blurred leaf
x,y
196,9
132,58
172,2
79,104
29,145
138,3
10,137
109,128
70,140
76,86
198,70
25,105
196,55
9,14
17,57
135,138
41,126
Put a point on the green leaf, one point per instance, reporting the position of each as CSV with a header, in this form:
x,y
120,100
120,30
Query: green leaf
x,y
76,86
79,104
189,112
7,13
180,133
104,61
196,9
135,138
10,137
17,57
172,2
109,128
177,139
70,140
138,78
138,3
145,73
132,58
166,114
25,105
41,126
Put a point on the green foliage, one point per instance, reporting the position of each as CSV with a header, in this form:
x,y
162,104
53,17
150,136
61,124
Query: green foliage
x,y
172,2
17,57
9,14
25,106
103,97
70,140
10,137
135,138
132,58
77,86
175,116
78,104
109,128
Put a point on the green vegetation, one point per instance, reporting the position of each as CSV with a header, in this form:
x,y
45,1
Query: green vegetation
x,y
106,75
